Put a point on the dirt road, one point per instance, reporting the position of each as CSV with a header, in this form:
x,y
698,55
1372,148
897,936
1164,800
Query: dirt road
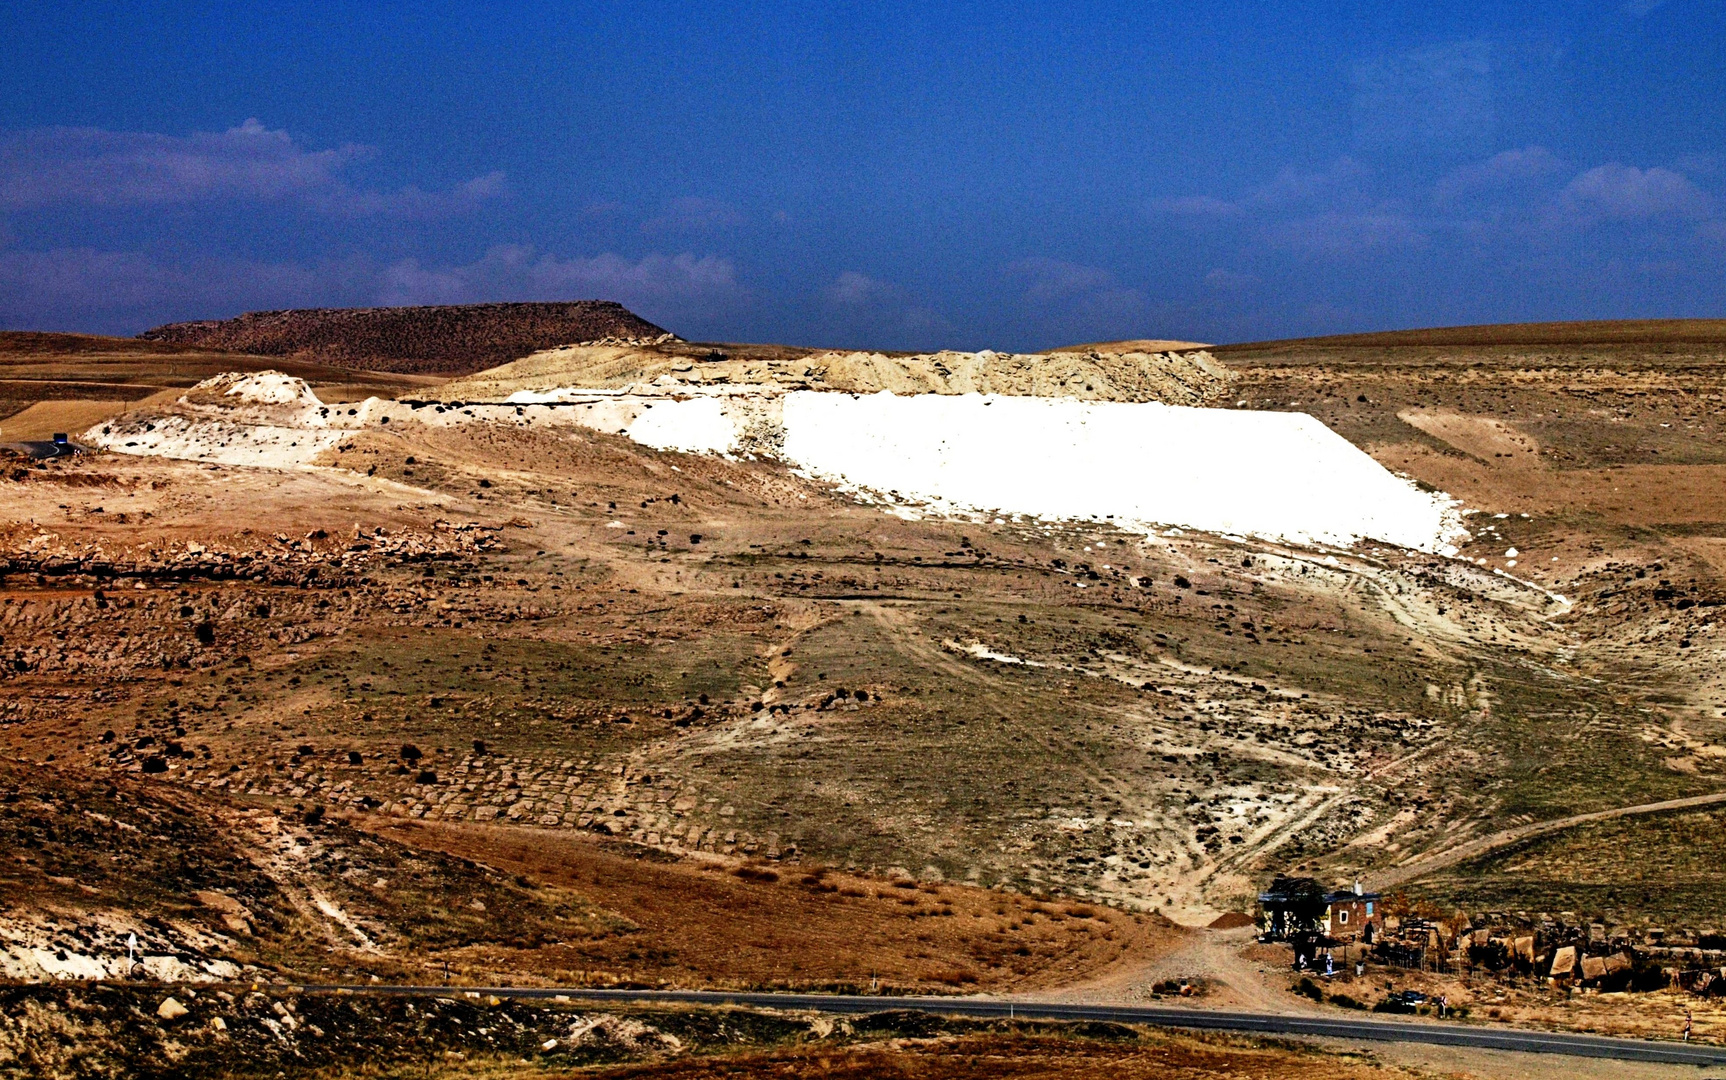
x,y
1426,864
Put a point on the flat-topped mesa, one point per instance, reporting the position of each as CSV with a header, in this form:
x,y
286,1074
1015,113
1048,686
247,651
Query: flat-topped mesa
x,y
450,339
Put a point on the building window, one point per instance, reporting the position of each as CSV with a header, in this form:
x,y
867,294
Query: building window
x,y
1369,909
1342,916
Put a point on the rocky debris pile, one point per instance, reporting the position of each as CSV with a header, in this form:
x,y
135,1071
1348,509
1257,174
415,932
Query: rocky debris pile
x,y
316,558
1173,378
652,810
35,947
261,418
255,388
634,342
114,616
1557,949
437,339
272,1030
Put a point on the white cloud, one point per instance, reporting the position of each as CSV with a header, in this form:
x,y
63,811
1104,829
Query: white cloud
x,y
1509,169
1337,233
1342,183
81,288
1330,211
875,312
694,215
854,290
1089,294
1615,192
686,284
125,291
62,166
1055,280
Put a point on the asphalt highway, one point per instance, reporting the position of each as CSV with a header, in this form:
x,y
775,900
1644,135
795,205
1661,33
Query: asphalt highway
x,y
1435,1032
44,448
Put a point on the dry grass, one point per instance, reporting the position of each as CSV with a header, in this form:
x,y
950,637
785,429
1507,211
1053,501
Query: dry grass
x,y
728,923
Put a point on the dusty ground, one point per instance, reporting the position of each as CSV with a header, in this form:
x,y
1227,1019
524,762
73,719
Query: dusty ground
x,y
120,1031
499,642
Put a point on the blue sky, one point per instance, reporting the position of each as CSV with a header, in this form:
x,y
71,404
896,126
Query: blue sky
x,y
899,176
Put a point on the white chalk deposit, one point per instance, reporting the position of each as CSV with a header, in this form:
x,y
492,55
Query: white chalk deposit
x,y
1276,475
1280,476
265,419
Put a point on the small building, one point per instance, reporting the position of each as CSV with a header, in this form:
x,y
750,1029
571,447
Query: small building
x,y
1295,907
1292,908
1353,914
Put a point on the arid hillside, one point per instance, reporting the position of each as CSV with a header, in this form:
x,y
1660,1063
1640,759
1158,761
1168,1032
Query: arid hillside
x,y
455,679
444,339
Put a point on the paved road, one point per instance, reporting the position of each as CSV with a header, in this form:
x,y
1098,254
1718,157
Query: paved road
x,y
45,448
1426,864
1438,1033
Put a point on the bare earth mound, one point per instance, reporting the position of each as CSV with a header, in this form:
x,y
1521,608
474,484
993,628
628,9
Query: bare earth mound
x,y
448,339
1136,375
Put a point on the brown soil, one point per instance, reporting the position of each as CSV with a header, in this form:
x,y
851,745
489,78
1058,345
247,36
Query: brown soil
x,y
1022,1058
1659,333
438,339
724,922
